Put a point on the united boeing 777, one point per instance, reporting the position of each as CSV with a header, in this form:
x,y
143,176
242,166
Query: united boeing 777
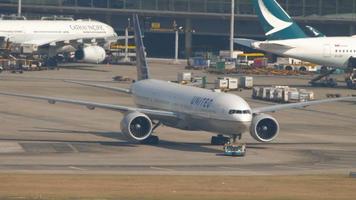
x,y
184,107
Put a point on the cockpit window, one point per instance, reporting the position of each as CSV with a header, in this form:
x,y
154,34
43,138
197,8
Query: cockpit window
x,y
247,112
239,112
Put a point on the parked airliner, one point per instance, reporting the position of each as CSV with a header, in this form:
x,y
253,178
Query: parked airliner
x,y
86,37
184,107
286,38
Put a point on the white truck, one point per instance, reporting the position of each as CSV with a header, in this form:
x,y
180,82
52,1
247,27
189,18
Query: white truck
x,y
292,64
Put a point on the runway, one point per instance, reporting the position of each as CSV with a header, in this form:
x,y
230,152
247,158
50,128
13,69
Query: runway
x,y
36,137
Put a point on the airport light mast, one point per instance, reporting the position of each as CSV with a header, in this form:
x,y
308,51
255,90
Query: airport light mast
x,y
176,47
232,28
19,8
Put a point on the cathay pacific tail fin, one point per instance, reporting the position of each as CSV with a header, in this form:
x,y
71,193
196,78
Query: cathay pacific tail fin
x,y
276,22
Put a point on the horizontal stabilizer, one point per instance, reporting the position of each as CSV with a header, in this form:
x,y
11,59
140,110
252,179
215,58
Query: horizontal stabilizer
x,y
269,45
115,89
244,42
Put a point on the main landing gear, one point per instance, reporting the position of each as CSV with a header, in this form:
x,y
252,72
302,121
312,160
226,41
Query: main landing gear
x,y
152,140
219,140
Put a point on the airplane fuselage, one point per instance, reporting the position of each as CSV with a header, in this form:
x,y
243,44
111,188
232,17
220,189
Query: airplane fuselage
x,y
326,51
31,31
199,109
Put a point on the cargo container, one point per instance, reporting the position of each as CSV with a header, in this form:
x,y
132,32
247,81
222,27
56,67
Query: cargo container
x,y
305,95
293,95
282,94
184,77
233,83
221,84
260,62
198,81
264,93
255,92
246,82
198,63
270,94
278,95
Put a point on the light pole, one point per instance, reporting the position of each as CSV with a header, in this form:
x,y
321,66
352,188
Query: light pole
x,y
19,8
232,28
126,59
176,47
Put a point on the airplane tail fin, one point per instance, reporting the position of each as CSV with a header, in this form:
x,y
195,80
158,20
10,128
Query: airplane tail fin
x,y
276,22
141,63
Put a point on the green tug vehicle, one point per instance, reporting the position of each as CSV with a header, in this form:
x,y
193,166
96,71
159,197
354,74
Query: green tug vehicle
x,y
235,150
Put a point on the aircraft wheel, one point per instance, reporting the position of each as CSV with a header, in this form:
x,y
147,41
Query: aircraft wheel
x,y
219,140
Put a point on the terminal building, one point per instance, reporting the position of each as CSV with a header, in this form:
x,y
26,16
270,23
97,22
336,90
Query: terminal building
x,y
205,23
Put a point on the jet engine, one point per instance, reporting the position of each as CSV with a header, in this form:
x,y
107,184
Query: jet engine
x,y
91,54
264,128
136,126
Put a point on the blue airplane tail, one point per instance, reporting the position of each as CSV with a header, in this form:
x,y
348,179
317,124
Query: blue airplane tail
x,y
276,23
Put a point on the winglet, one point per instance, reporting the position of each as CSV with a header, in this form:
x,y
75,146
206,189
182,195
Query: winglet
x,y
141,63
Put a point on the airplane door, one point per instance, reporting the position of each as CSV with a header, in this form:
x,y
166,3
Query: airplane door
x,y
327,50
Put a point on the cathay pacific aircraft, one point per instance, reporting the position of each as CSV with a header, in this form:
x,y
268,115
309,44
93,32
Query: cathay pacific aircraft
x,y
183,107
85,37
286,38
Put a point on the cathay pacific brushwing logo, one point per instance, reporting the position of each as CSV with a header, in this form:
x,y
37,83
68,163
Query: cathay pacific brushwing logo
x,y
272,20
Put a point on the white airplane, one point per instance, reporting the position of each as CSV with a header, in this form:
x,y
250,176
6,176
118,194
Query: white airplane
x,y
286,38
184,107
50,37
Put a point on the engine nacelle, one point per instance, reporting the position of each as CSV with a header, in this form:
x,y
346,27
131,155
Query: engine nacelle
x,y
136,126
264,128
91,54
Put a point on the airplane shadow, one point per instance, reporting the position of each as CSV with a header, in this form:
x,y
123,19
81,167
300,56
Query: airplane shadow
x,y
120,141
188,147
83,68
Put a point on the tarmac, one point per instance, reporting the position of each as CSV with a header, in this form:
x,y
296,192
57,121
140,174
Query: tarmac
x,y
36,137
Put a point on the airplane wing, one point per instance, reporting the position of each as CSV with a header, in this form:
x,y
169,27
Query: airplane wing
x,y
115,89
93,105
124,37
279,107
70,39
